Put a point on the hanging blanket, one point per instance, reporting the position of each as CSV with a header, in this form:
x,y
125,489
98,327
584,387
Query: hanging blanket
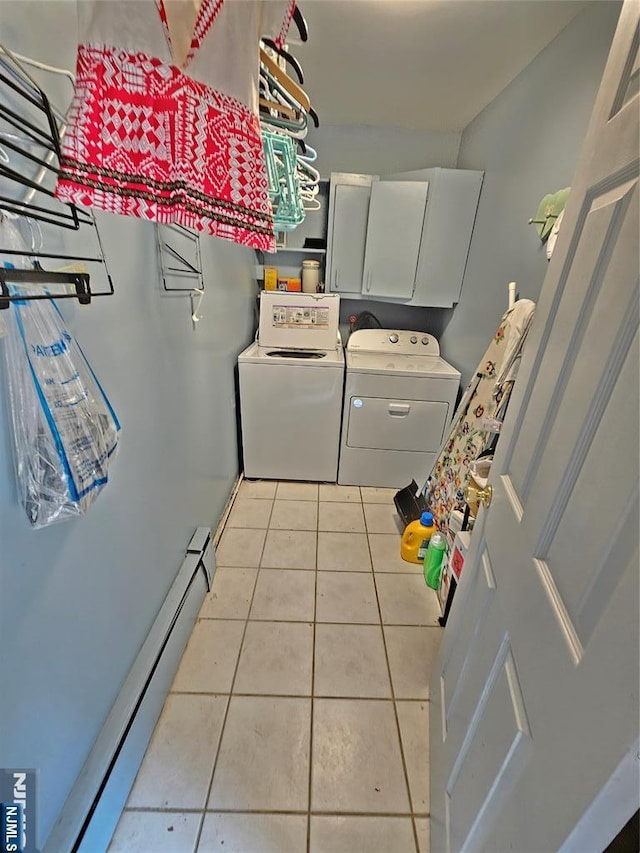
x,y
164,124
484,400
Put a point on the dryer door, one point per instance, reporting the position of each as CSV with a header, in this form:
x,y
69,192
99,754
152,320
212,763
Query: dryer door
x,y
385,424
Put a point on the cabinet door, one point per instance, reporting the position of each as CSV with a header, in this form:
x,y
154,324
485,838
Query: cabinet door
x,y
347,231
396,215
451,214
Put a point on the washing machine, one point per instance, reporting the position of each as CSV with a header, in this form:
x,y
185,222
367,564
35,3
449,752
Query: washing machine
x,y
399,400
291,382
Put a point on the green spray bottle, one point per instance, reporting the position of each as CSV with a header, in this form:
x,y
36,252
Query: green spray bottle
x,y
433,559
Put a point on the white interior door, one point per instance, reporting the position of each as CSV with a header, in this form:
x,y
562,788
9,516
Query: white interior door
x,y
534,734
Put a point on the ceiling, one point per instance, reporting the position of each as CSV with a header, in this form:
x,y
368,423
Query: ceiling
x,y
419,64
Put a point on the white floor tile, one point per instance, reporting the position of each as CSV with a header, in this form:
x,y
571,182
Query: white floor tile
x,y
406,600
155,832
385,553
230,595
290,529
209,661
253,833
342,494
276,658
264,755
240,547
345,517
294,515
249,512
361,835
350,661
343,552
357,765
382,518
346,597
258,488
423,829
412,654
285,594
177,767
375,495
292,491
414,731
290,549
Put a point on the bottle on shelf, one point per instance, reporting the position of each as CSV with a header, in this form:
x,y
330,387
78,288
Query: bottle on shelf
x,y
310,276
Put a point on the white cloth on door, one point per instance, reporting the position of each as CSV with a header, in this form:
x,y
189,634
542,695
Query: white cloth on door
x,y
553,236
519,317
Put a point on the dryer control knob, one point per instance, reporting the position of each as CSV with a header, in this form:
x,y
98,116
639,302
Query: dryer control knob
x,y
425,341
413,339
393,339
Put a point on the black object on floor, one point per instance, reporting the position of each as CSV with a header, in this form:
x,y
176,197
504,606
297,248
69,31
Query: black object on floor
x,y
410,503
628,839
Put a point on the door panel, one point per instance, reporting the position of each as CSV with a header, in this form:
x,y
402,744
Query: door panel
x,y
384,424
493,751
600,288
538,670
463,665
349,234
580,539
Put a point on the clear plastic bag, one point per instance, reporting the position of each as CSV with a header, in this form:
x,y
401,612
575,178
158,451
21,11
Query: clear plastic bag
x,y
65,432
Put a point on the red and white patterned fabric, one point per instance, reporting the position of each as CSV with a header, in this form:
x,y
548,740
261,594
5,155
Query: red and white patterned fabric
x,y
150,138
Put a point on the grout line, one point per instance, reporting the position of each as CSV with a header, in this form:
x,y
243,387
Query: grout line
x,y
313,676
230,696
321,621
300,812
301,695
395,711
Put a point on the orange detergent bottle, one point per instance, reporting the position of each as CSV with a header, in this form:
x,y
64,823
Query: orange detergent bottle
x,y
415,539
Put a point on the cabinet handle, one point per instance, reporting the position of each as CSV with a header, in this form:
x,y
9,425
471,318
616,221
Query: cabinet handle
x,y
368,285
334,276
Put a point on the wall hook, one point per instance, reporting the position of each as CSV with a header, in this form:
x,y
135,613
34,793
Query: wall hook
x,y
548,211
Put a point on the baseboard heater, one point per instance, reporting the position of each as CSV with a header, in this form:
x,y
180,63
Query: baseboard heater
x,y
99,794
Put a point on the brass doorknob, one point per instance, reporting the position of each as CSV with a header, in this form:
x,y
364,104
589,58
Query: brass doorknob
x,y
474,495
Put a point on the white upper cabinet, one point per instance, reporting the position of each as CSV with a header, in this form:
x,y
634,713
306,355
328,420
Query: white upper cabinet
x,y
347,231
446,237
401,238
394,231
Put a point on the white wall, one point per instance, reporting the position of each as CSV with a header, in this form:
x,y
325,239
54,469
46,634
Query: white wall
x,y
527,141
77,599
380,150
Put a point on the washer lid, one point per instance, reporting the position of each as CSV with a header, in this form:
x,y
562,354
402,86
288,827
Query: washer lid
x,y
387,364
255,354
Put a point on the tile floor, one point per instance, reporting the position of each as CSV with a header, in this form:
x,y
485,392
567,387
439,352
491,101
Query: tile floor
x,y
298,718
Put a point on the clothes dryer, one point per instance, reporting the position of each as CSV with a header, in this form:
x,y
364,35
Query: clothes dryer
x,y
399,399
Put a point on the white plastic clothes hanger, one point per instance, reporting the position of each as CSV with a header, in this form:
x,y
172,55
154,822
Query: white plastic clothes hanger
x,y
310,155
296,92
278,128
